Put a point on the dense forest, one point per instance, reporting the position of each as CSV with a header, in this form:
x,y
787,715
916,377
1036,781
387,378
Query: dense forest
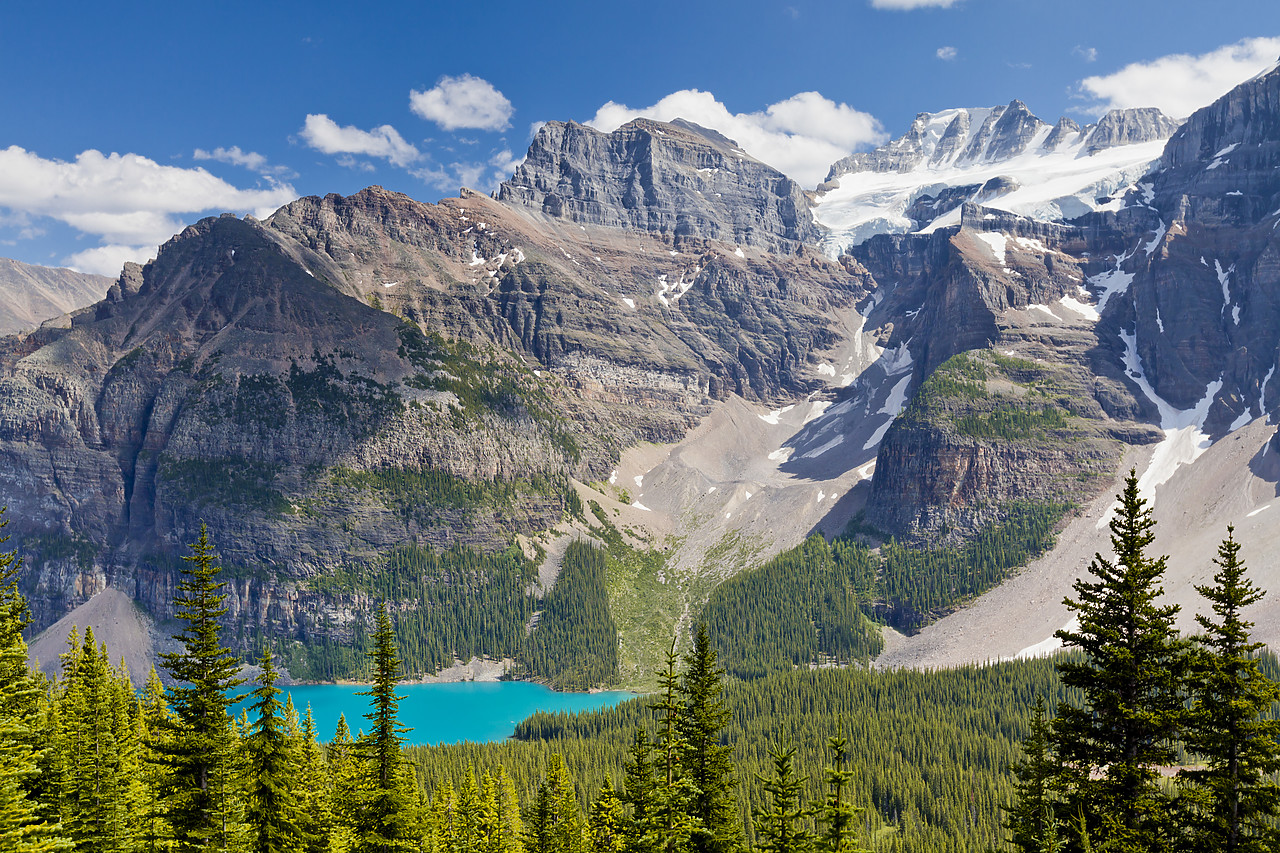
x,y
1138,739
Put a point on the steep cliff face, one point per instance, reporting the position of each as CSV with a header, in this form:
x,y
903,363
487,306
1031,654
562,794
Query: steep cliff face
x,y
362,375
678,180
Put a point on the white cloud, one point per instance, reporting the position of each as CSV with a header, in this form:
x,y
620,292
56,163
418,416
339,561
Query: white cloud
x,y
801,136
250,160
126,200
466,101
326,135
947,52
1180,84
907,5
1088,54
109,260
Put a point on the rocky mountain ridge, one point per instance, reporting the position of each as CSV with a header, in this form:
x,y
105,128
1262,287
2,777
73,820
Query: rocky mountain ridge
x,y
31,295
644,325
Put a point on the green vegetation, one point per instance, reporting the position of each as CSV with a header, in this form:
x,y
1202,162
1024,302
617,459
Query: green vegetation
x,y
815,603
232,482
807,605
413,490
575,645
1009,422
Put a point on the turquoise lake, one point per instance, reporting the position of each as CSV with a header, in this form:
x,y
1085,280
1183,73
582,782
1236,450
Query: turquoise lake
x,y
478,711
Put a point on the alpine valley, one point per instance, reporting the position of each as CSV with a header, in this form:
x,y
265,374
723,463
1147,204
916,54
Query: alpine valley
x,y
943,361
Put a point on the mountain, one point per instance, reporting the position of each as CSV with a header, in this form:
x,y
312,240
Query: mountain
x,y
1002,157
653,341
30,295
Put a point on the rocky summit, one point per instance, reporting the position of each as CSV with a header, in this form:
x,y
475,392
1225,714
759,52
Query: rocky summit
x,y
650,339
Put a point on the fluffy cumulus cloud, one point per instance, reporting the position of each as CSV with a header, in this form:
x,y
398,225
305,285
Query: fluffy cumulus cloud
x,y
463,102
947,52
907,5
801,136
1180,84
131,203
326,135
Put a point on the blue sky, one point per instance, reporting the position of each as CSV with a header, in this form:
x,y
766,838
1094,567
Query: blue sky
x,y
120,126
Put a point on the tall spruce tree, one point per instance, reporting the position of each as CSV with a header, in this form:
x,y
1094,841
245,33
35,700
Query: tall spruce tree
x,y
23,829
272,797
1234,797
1032,820
1112,746
199,752
783,826
705,760
388,800
836,815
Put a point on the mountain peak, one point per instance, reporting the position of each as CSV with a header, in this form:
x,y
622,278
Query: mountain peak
x,y
677,179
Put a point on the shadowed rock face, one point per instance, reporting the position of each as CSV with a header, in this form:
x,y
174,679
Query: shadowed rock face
x,y
678,180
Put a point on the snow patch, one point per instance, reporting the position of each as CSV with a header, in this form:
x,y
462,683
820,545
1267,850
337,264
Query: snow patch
x,y
1258,510
390,283
1244,418
739,253
613,477
1112,281
1262,393
997,242
1155,241
819,451
892,407
630,303
772,417
781,455
1184,439
1032,244
638,505
825,369
1082,308
1047,310
639,478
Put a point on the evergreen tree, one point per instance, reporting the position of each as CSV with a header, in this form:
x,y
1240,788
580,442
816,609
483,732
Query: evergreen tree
x,y
199,753
836,814
1235,795
639,790
669,823
1130,680
782,826
156,722
315,821
272,804
705,761
554,822
386,812
502,814
1032,820
23,829
345,771
607,821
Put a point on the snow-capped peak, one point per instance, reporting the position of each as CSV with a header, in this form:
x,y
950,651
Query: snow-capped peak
x,y
1004,157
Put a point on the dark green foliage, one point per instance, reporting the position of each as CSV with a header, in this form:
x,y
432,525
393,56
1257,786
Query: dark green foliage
x,y
23,826
706,761
458,603
224,483
803,606
916,584
782,826
413,491
272,783
575,644
1111,744
1032,818
1233,799
836,815
199,753
384,813
358,402
1012,422
813,604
